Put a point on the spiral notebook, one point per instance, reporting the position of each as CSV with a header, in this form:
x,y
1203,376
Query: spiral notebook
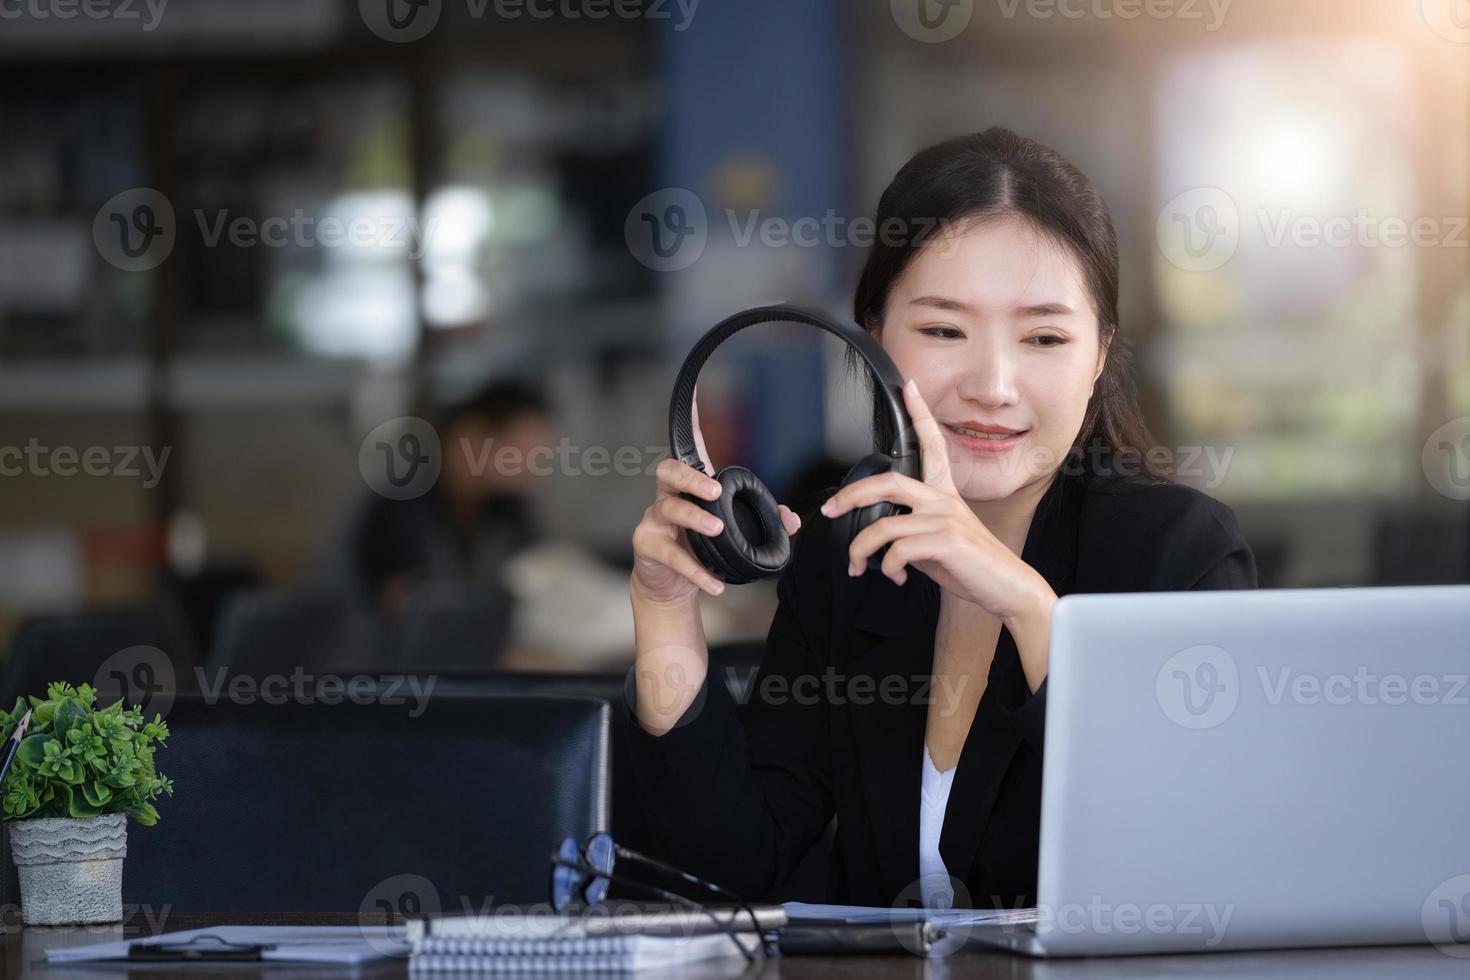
x,y
623,953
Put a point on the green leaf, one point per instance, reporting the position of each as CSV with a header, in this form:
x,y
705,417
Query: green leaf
x,y
144,813
78,806
97,794
32,751
69,717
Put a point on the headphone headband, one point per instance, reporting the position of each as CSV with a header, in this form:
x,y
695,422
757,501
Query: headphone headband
x,y
890,386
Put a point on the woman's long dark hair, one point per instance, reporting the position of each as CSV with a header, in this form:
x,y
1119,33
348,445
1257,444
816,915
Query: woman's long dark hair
x,y
994,174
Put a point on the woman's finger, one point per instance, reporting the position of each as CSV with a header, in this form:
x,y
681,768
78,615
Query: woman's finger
x,y
881,532
676,477
933,447
789,519
687,514
906,551
698,435
893,487
680,559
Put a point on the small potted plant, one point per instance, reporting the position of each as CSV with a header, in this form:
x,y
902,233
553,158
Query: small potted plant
x,y
77,775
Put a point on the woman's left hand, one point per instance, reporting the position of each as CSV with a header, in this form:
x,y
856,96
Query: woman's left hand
x,y
941,537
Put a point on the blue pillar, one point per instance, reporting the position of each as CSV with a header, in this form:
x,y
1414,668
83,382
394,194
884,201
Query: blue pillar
x,y
757,88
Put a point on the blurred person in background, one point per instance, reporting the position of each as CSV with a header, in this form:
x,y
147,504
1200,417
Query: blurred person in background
x,y
475,516
475,540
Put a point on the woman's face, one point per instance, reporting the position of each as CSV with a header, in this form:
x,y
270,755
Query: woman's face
x,y
992,320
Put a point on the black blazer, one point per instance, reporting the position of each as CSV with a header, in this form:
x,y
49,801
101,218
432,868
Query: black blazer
x,y
739,795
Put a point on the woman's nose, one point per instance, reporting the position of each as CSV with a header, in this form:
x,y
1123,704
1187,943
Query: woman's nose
x,y
990,380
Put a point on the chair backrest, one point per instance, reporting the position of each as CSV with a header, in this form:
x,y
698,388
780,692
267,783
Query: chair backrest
x,y
268,631
450,628
74,646
627,821
382,801
1421,549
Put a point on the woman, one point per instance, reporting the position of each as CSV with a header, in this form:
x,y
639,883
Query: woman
x,y
910,704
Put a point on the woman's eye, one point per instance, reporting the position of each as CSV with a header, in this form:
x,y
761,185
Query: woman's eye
x,y
1053,340
945,333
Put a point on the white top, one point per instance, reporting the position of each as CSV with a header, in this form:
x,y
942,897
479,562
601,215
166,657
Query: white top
x,y
934,884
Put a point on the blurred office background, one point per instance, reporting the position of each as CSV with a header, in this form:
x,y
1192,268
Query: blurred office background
x,y
202,377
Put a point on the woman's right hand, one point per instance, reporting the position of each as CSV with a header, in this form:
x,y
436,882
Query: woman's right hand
x,y
664,569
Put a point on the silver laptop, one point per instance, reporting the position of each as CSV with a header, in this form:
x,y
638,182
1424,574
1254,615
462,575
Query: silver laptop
x,y
1254,770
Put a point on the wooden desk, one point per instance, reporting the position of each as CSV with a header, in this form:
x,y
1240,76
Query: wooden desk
x,y
22,947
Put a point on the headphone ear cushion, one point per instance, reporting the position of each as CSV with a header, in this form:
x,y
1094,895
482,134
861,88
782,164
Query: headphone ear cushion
x,y
754,543
703,548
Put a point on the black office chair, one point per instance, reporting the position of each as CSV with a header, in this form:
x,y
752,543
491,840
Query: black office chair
x,y
266,631
1421,548
449,628
350,807
74,646
627,821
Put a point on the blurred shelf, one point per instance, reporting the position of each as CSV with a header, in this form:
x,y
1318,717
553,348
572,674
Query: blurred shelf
x,y
149,29
195,382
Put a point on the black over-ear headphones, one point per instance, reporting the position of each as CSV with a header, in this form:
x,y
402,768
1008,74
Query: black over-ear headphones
x,y
753,544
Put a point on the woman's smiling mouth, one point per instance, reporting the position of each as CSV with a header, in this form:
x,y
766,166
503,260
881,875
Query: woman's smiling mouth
x,y
980,441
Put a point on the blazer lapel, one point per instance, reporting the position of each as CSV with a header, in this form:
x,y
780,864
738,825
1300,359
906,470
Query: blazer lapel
x,y
1051,549
894,637
989,748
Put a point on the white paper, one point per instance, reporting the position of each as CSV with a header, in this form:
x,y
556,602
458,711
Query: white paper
x,y
294,944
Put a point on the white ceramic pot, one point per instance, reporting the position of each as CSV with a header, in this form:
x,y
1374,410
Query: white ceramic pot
x,y
70,868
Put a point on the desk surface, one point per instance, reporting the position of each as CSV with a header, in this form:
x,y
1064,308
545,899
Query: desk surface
x,y
22,947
